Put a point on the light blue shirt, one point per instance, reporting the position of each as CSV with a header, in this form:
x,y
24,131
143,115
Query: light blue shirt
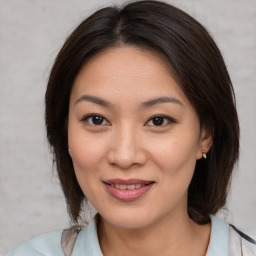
x,y
219,238
87,243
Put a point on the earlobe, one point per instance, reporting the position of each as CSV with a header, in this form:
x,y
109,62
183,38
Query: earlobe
x,y
205,143
204,154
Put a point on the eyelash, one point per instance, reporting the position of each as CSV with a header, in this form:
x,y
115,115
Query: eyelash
x,y
87,117
167,120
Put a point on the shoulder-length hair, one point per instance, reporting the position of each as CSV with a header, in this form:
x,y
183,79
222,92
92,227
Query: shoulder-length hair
x,y
194,59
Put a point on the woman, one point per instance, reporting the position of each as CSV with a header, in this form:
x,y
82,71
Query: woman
x,y
141,117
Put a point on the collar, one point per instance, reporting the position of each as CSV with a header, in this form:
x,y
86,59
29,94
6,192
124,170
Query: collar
x,y
87,242
218,245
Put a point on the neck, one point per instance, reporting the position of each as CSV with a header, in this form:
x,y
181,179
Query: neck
x,y
177,235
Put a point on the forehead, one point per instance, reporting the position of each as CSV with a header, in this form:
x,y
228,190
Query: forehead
x,y
127,71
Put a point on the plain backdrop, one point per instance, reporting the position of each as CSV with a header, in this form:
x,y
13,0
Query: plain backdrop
x,y
31,33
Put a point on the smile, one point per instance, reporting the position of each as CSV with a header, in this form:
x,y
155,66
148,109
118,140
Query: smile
x,y
129,187
128,190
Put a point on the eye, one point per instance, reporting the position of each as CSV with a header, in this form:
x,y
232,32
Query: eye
x,y
95,120
160,121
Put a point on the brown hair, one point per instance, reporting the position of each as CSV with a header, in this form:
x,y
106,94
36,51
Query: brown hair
x,y
196,61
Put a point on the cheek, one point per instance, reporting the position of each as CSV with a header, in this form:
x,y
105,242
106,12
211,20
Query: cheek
x,y
87,152
86,149
175,158
87,157
175,151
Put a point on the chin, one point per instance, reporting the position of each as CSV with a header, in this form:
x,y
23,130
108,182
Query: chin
x,y
128,219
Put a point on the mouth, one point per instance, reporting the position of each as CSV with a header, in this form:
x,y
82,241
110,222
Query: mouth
x,y
127,190
129,187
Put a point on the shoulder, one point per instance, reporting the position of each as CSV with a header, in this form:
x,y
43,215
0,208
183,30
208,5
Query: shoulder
x,y
45,244
238,241
226,239
62,242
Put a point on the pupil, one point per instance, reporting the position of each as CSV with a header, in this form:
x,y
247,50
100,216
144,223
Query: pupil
x,y
97,120
158,120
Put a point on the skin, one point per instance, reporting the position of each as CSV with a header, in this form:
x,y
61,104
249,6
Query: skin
x,y
128,145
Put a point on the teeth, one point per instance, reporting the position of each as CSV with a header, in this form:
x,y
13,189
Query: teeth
x,y
131,186
122,187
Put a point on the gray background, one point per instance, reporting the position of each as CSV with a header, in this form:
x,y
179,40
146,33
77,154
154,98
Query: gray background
x,y
31,34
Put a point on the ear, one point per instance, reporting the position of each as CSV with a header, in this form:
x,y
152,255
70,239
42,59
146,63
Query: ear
x,y
205,142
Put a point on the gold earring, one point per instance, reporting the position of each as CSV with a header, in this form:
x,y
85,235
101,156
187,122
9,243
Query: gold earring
x,y
69,152
204,154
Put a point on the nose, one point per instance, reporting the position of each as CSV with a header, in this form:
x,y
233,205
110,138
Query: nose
x,y
126,149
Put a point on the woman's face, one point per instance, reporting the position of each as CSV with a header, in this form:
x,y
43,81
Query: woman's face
x,y
134,137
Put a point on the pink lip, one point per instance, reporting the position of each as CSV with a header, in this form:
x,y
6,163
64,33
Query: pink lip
x,y
127,194
127,182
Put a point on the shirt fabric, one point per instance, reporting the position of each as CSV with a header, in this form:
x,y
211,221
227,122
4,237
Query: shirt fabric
x,y
87,243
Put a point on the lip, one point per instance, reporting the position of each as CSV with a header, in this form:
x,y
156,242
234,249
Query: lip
x,y
128,182
128,194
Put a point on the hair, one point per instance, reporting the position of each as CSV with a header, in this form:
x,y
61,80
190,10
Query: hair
x,y
194,59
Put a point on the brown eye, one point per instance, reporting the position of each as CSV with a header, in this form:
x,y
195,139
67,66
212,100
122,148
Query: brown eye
x,y
95,120
160,121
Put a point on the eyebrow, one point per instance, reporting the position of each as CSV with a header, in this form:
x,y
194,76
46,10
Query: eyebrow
x,y
145,104
95,100
159,100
